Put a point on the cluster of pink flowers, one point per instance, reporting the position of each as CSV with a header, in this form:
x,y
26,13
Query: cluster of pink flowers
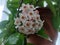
x,y
29,21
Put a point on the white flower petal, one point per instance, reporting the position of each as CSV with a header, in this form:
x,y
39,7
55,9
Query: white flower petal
x,y
28,24
22,29
16,27
17,21
23,17
30,31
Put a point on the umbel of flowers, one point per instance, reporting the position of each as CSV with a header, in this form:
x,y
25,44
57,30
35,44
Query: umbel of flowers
x,y
29,21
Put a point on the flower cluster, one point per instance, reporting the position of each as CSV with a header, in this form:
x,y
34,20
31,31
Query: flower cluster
x,y
29,21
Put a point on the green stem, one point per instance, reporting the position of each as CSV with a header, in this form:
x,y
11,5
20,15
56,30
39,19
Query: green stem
x,y
25,40
20,2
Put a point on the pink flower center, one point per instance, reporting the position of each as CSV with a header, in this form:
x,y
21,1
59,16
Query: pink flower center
x,y
39,25
17,21
37,18
23,17
28,24
31,6
24,6
31,13
22,28
34,25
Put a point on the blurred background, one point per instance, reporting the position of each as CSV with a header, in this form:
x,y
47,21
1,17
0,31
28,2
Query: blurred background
x,y
4,11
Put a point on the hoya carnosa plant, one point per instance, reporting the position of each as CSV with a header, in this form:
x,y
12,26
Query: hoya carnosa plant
x,y
29,21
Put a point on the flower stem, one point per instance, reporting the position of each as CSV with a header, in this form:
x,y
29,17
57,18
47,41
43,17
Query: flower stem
x,y
25,40
20,2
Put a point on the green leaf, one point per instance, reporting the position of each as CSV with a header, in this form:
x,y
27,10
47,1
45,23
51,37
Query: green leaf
x,y
3,33
27,1
12,6
55,22
43,34
13,38
20,40
0,41
3,24
10,26
51,7
40,3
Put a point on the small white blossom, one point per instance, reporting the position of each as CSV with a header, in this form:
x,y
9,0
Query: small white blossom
x,y
23,18
36,12
30,15
39,25
37,17
30,31
31,7
17,21
22,29
33,25
28,24
24,7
